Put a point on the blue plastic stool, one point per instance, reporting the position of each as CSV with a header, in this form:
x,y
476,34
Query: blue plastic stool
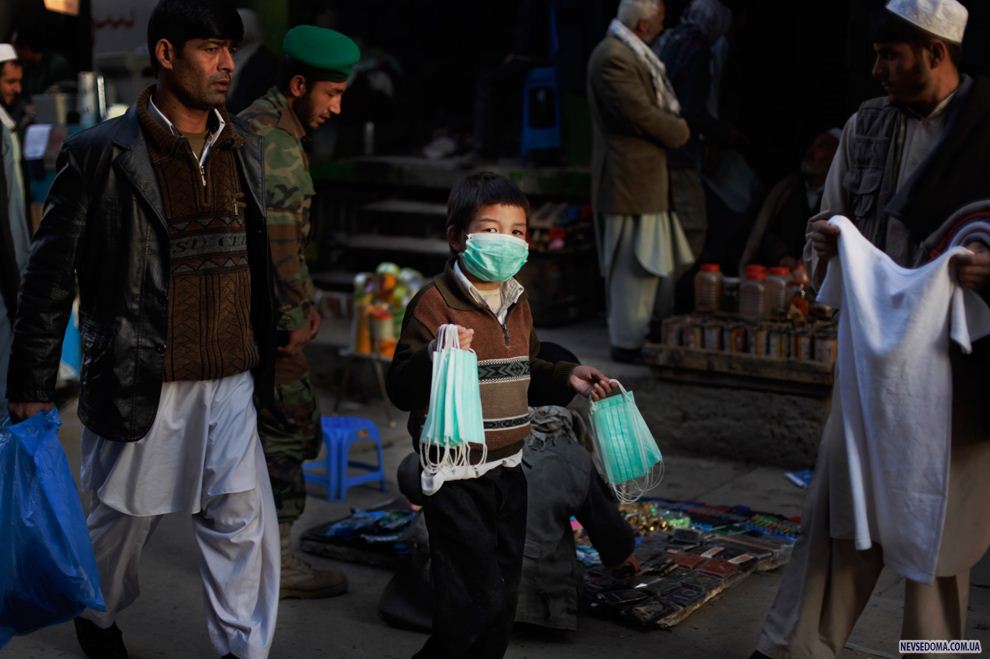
x,y
541,111
339,434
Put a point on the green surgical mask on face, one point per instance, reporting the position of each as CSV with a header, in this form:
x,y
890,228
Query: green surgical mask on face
x,y
494,256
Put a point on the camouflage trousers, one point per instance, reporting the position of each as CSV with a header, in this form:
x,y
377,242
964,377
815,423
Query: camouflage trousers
x,y
289,436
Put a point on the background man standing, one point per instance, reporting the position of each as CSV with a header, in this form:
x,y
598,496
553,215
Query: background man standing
x,y
159,217
311,85
906,162
635,120
13,104
15,115
14,247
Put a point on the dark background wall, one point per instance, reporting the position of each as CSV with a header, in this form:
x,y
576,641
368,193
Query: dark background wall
x,y
797,66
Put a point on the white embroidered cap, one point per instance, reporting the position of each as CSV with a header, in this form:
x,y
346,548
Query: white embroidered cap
x,y
943,18
7,52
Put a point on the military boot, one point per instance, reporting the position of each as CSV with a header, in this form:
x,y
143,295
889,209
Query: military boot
x,y
301,580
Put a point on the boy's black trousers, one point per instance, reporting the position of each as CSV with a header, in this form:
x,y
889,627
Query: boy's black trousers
x,y
477,531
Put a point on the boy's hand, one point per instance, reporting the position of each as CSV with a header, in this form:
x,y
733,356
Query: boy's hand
x,y
464,336
589,381
633,564
627,567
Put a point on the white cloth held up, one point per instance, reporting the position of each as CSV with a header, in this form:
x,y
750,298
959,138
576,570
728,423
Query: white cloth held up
x,y
892,401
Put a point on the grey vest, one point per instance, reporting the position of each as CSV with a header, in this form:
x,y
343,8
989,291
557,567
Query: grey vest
x,y
874,162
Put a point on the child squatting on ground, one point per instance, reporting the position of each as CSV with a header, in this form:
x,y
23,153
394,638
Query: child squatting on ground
x,y
476,513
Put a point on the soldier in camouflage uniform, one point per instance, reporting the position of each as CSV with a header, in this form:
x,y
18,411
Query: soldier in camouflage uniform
x,y
311,83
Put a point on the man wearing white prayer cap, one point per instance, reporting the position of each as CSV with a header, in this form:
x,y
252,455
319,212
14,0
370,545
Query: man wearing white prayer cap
x,y
15,115
12,102
906,162
15,241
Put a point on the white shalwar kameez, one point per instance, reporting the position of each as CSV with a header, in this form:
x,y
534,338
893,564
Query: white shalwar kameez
x,y
202,456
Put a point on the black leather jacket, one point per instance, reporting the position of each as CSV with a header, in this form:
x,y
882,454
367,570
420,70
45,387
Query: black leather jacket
x,y
104,226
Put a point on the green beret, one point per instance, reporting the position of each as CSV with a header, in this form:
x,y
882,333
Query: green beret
x,y
323,49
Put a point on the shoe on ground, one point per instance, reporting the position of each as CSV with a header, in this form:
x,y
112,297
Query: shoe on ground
x,y
626,355
97,643
301,580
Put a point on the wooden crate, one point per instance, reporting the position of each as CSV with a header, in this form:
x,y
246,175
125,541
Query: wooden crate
x,y
698,366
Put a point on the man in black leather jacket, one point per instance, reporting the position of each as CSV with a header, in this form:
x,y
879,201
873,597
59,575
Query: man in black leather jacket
x,y
160,217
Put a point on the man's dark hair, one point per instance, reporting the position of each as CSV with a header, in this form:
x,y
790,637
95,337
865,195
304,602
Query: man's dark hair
x,y
291,67
178,21
887,27
481,189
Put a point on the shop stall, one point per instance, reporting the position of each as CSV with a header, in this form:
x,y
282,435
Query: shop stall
x,y
748,373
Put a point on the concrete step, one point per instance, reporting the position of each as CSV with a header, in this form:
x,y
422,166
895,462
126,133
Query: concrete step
x,y
406,207
373,242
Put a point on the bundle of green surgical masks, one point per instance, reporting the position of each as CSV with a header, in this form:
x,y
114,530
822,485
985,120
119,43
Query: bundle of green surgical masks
x,y
629,455
453,420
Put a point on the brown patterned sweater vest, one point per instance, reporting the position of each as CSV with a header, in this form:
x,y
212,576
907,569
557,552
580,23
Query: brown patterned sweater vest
x,y
209,302
508,368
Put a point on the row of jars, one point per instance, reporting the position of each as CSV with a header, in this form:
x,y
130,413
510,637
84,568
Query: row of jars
x,y
761,294
811,343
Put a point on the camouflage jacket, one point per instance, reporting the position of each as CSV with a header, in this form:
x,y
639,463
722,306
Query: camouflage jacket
x,y
288,193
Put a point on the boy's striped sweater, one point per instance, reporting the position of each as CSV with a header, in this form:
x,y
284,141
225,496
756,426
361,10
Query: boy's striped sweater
x,y
508,370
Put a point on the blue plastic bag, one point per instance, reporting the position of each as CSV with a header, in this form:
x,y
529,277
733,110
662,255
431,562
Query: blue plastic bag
x,y
48,573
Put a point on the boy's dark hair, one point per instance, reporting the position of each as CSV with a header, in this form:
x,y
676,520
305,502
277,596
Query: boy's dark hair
x,y
178,21
887,27
481,189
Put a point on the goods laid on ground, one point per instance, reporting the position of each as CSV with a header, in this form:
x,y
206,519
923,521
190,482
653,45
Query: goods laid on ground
x,y
382,537
690,553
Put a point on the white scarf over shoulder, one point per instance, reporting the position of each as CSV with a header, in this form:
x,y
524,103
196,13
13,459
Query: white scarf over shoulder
x,y
666,98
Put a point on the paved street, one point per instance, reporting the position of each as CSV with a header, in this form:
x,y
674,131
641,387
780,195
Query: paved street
x,y
167,620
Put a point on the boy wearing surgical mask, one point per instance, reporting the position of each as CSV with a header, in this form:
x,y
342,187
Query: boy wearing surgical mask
x,y
476,513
